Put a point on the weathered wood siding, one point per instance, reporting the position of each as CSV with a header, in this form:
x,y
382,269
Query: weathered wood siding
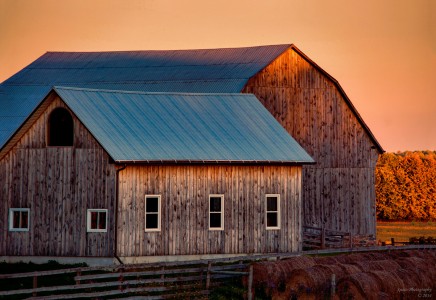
x,y
339,191
185,194
58,184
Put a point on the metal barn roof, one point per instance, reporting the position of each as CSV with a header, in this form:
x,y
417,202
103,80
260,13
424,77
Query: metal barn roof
x,y
166,127
196,71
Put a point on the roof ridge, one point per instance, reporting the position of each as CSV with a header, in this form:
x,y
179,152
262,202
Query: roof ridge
x,y
172,50
55,88
143,66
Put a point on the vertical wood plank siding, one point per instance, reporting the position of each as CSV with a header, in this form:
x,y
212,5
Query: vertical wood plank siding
x,y
185,196
339,191
58,184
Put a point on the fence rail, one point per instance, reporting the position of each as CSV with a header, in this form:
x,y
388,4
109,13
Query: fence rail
x,y
322,238
156,281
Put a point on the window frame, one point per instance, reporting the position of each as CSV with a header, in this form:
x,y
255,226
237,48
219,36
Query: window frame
x,y
159,213
11,219
88,219
278,211
221,212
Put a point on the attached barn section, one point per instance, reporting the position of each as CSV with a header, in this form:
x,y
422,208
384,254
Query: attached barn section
x,y
106,187
339,190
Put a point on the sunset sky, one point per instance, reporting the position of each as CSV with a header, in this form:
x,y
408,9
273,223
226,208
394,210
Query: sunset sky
x,y
383,52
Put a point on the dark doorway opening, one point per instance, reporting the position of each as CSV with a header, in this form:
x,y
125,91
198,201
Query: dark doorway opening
x,y
60,128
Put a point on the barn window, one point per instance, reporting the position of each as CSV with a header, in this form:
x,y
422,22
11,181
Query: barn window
x,y
60,128
272,212
97,220
152,213
216,209
19,219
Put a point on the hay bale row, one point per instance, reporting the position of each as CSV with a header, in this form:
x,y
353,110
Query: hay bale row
x,y
369,275
415,271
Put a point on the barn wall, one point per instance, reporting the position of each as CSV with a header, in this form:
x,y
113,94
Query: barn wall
x,y
338,191
58,184
185,194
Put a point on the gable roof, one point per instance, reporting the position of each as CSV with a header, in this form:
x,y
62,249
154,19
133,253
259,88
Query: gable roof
x,y
194,71
225,70
165,127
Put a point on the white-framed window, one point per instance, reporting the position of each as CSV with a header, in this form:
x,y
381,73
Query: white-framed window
x,y
216,212
96,220
152,212
272,212
19,219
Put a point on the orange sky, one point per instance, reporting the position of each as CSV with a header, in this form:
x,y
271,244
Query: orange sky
x,y
383,53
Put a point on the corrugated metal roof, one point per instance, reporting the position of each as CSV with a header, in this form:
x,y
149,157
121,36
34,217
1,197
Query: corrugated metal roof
x,y
196,71
135,126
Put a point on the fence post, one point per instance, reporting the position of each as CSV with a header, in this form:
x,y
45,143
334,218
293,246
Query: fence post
x,y
35,284
250,283
209,268
393,241
120,279
333,286
78,274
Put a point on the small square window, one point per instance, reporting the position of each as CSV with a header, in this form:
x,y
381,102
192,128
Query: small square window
x,y
152,213
97,220
216,212
19,219
272,212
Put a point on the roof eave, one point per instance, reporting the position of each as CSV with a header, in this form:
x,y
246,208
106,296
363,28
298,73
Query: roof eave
x,y
213,162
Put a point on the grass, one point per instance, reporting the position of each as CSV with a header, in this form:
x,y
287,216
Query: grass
x,y
402,231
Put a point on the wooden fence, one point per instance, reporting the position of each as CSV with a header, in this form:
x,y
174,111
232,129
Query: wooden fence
x,y
151,281
321,238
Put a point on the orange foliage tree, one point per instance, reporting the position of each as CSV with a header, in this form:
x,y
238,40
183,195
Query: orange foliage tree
x,y
406,186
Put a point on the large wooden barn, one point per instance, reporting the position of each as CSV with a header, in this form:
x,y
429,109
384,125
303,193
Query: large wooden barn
x,y
160,153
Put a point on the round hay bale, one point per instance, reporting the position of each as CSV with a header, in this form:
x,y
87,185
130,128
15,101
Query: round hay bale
x,y
380,265
358,286
415,263
349,269
349,258
272,276
315,280
377,255
389,282
425,271
312,281
411,278
325,260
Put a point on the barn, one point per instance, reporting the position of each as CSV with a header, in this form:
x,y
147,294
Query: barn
x,y
170,153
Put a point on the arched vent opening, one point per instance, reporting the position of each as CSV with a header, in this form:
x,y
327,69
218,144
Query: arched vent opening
x,y
60,128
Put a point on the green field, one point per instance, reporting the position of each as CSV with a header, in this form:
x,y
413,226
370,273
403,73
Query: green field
x,y
402,231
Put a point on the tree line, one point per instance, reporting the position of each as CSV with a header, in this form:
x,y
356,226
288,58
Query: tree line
x,y
406,186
